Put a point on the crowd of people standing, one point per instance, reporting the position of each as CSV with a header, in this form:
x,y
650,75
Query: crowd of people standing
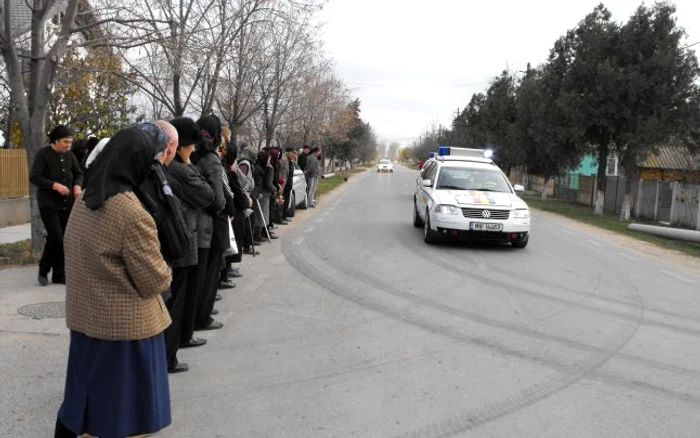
x,y
145,229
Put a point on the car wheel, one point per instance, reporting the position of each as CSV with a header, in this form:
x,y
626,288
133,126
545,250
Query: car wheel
x,y
429,236
305,204
522,243
417,221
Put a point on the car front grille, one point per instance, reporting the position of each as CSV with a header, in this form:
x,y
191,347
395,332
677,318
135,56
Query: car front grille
x,y
479,213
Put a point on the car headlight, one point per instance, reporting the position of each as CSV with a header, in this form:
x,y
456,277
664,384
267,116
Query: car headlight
x,y
522,213
448,209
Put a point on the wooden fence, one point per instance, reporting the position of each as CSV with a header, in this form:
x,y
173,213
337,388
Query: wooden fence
x,y
14,177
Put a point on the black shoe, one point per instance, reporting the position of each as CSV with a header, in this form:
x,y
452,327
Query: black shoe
x,y
251,252
58,280
214,325
283,223
214,311
257,242
236,275
43,280
273,237
179,368
226,285
194,342
218,297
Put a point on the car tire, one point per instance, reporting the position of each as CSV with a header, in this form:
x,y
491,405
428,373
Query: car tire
x,y
522,243
304,205
429,236
417,221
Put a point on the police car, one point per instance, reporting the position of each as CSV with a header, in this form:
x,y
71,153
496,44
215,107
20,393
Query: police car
x,y
462,194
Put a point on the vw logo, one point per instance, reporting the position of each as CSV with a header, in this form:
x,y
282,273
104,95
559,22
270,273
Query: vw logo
x,y
486,214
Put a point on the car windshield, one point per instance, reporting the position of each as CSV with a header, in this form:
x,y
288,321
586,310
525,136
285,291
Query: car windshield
x,y
460,178
384,162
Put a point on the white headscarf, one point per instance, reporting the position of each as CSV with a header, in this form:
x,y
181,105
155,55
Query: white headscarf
x,y
95,152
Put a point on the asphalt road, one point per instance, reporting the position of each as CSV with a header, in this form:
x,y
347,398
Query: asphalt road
x,y
349,325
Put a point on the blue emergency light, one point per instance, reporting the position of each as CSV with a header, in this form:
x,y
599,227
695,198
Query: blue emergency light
x,y
444,151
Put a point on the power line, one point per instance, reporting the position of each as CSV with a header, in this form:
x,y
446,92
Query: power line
x,y
691,45
370,85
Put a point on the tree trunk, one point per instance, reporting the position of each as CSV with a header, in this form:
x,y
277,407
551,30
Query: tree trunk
x,y
544,189
602,178
32,142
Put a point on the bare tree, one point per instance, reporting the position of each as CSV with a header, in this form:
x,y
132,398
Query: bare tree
x,y
34,37
288,56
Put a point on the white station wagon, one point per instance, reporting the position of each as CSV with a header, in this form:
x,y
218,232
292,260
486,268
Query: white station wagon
x,y
462,195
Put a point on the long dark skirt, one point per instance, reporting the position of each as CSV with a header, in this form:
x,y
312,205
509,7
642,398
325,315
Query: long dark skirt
x,y
116,388
176,306
209,283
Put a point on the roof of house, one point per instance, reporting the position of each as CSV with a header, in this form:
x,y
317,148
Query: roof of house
x,y
672,158
20,17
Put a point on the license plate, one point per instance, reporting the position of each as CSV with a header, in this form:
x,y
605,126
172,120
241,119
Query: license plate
x,y
480,226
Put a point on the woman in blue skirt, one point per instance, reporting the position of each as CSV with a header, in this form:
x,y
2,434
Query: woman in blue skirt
x,y
117,381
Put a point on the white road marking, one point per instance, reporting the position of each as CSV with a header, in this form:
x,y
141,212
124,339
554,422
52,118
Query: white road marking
x,y
593,242
568,231
676,276
310,229
318,220
628,257
298,241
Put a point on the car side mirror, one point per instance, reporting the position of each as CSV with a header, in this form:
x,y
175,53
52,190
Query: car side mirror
x,y
427,183
518,188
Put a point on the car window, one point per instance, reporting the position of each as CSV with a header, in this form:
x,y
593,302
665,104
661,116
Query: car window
x,y
426,170
460,178
432,172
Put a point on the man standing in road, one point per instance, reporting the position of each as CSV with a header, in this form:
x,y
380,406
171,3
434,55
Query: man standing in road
x,y
57,174
312,173
291,159
305,151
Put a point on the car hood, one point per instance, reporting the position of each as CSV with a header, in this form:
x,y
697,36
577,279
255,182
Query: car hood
x,y
479,198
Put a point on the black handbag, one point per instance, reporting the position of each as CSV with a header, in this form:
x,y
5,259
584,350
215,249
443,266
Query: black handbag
x,y
166,209
220,239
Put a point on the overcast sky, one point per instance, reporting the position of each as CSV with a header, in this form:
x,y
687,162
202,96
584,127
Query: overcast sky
x,y
413,63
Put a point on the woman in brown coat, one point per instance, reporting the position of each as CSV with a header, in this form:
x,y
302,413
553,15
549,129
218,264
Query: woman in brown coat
x,y
117,381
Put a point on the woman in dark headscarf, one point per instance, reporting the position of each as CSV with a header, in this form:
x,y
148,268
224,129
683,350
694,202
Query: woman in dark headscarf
x,y
263,172
117,381
241,202
211,249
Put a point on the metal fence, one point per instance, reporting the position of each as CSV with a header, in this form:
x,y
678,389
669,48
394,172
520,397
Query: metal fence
x,y
14,177
669,202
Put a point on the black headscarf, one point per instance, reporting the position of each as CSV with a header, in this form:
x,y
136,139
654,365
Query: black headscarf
x,y
122,166
231,156
210,128
262,158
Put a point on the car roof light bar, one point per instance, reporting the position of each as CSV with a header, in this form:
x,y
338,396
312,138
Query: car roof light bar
x,y
464,152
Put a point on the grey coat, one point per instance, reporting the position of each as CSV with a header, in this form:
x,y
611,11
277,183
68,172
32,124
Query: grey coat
x,y
210,167
313,168
196,195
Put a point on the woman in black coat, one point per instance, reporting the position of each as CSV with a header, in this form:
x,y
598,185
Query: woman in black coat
x,y
213,239
240,202
263,173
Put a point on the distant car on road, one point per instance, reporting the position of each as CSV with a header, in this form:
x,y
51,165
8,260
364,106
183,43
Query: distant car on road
x,y
385,166
469,198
